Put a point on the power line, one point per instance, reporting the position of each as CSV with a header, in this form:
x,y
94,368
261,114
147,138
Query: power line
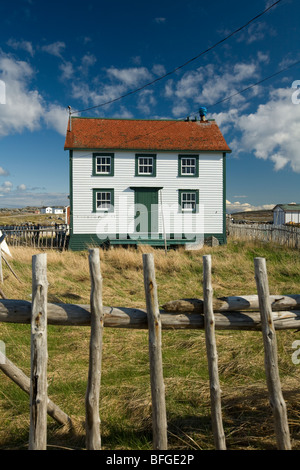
x,y
259,15
223,100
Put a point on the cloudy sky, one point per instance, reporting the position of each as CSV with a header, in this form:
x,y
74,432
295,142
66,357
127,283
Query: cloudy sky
x,y
180,55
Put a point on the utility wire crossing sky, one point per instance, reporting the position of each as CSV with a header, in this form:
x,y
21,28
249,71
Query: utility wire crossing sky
x,y
121,60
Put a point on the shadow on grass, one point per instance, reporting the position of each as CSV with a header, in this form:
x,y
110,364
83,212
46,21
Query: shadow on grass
x,y
247,420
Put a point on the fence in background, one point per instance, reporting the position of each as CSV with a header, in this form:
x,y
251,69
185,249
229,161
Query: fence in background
x,y
277,234
37,236
261,312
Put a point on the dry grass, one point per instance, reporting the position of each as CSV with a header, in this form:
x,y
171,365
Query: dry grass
x,y
125,391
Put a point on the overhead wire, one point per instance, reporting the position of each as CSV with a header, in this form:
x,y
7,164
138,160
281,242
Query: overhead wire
x,y
173,122
259,15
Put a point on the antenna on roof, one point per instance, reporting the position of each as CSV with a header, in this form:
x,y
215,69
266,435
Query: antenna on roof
x,y
70,118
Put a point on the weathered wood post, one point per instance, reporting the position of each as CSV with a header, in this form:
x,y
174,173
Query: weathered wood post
x,y
39,355
1,271
212,356
271,364
93,435
159,418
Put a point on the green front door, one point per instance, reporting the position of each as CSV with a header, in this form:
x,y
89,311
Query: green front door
x,y
146,211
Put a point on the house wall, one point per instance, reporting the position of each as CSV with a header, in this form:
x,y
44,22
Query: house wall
x,y
292,217
278,216
281,217
209,183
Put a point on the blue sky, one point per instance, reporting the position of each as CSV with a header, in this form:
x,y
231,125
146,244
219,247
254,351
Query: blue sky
x,y
83,54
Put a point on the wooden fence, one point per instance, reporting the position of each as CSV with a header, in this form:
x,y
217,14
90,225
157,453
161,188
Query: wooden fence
x,y
37,236
277,234
263,312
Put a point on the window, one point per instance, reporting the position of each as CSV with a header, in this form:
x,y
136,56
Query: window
x,y
103,200
188,165
189,200
103,164
145,165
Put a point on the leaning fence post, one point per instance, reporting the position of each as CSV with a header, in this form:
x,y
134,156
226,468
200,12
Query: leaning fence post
x,y
39,355
271,364
159,417
93,435
212,356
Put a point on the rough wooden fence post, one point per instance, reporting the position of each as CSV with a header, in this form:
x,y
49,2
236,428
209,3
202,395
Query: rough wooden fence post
x,y
160,441
1,271
271,364
212,356
93,435
39,355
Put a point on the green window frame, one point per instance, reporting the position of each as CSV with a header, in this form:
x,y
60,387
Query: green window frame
x,y
188,201
188,166
103,164
103,200
145,164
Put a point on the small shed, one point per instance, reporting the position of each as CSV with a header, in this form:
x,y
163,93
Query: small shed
x,y
286,214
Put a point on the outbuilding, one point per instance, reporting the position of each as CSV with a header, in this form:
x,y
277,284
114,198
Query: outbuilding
x,y
286,214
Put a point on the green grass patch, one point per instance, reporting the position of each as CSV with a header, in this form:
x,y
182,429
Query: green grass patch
x,y
125,397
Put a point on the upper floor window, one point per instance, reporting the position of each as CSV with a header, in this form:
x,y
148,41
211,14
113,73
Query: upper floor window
x,y
145,165
103,164
188,165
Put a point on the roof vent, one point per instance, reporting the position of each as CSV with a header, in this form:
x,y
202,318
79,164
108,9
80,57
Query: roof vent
x,y
202,112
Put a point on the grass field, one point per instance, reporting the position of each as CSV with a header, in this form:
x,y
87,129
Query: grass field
x,y
125,401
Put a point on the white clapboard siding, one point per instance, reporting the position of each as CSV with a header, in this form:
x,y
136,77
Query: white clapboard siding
x,y
209,184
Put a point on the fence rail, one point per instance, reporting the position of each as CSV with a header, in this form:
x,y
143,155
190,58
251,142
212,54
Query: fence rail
x,y
277,234
36,236
236,312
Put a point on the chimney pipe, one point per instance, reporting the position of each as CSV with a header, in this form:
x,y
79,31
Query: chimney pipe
x,y
202,112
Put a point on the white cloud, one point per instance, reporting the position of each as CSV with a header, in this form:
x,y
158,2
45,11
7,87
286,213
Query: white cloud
x,y
67,70
56,117
87,61
6,187
207,85
56,48
272,132
237,206
3,172
160,20
158,69
23,45
25,107
22,187
131,76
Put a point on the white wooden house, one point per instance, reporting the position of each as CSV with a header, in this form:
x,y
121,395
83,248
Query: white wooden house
x,y
146,181
286,213
46,210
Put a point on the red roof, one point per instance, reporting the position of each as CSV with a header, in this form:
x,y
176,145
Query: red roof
x,y
154,135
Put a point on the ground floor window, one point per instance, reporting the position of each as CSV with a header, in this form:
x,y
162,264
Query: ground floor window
x,y
103,200
189,200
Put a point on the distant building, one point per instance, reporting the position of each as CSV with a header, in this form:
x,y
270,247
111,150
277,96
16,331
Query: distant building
x,y
57,210
46,210
286,213
52,210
